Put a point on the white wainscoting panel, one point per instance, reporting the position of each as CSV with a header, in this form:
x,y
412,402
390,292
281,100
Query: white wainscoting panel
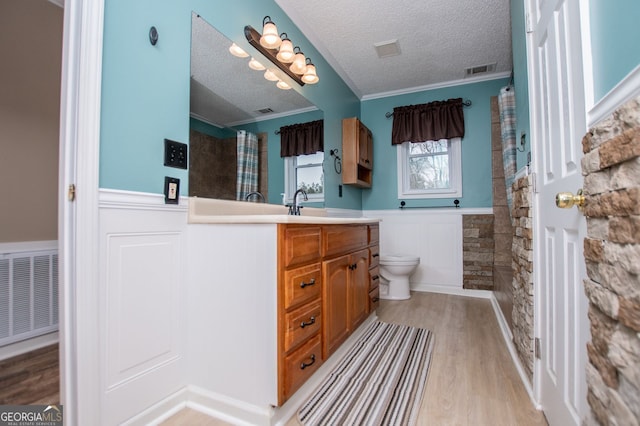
x,y
143,259
435,235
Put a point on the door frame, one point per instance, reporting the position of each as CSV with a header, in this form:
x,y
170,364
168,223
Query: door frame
x,y
78,223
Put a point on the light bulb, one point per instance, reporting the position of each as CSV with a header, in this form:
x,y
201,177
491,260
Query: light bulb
x,y
255,65
299,65
282,85
270,37
285,54
237,51
310,75
269,75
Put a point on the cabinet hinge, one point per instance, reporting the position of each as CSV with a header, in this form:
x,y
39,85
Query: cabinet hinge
x,y
536,347
527,23
71,192
534,182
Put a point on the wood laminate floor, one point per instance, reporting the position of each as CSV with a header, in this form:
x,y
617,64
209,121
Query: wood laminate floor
x,y
472,379
31,378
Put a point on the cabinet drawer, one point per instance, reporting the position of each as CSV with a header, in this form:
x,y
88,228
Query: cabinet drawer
x,y
374,278
301,364
374,234
374,299
302,285
342,239
374,256
300,245
301,324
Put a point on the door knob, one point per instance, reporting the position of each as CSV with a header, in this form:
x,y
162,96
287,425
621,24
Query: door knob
x,y
566,200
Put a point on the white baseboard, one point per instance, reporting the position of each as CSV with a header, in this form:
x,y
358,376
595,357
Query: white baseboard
x,y
447,289
24,346
508,340
240,413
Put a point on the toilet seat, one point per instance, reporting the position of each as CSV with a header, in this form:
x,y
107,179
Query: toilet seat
x,y
399,259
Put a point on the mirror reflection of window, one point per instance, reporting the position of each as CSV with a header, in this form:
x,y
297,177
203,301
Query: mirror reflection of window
x,y
305,172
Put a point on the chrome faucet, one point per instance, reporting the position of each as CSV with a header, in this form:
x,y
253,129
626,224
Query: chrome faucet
x,y
249,195
294,209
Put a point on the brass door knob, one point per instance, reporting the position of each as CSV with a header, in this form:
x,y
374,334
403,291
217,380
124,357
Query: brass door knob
x,y
566,200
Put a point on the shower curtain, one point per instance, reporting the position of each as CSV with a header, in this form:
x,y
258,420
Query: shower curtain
x,y
247,176
507,108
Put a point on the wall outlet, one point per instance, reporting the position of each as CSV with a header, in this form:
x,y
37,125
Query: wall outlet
x,y
175,154
171,190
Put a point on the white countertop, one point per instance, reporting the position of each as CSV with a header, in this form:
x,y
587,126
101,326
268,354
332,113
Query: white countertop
x,y
207,210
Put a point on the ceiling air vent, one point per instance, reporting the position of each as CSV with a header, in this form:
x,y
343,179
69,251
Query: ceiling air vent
x,y
265,111
388,48
480,69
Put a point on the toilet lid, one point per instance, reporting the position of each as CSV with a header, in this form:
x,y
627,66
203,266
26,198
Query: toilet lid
x,y
399,258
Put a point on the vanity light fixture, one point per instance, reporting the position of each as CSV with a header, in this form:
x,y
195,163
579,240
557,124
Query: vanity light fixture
x,y
270,38
237,51
285,53
299,64
269,75
281,52
255,65
282,85
310,75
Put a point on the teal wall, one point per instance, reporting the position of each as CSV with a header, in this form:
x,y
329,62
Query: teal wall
x,y
520,80
476,146
145,89
615,42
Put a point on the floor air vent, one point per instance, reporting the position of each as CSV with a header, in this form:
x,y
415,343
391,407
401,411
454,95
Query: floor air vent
x,y
28,295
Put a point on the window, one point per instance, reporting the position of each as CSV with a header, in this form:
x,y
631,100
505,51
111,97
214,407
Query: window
x,y
430,169
305,172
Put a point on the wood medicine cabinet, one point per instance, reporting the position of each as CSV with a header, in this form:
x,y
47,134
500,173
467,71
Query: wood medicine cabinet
x,y
357,151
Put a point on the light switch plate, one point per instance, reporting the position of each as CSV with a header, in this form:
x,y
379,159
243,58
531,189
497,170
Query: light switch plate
x,y
171,190
175,154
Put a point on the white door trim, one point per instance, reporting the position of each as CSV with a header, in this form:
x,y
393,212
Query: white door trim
x,y
78,221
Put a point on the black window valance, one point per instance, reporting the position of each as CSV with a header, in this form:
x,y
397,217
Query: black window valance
x,y
302,139
428,122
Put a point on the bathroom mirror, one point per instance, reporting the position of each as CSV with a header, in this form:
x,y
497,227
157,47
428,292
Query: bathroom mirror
x,y
226,97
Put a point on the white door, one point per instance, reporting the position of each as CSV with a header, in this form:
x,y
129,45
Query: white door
x,y
558,114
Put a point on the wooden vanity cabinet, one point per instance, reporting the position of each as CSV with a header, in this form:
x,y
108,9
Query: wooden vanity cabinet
x,y
374,268
345,271
299,307
357,151
324,294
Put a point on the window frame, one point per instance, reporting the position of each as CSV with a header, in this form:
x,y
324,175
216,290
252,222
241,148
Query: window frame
x,y
455,173
290,187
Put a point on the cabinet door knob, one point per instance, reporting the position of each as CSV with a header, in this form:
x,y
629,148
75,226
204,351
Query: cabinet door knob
x,y
375,277
375,255
312,320
312,282
304,365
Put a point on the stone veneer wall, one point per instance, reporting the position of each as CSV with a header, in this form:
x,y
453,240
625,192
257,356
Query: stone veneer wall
x,y
522,264
611,166
477,251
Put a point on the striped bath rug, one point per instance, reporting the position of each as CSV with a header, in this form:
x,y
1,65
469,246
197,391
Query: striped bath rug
x,y
380,381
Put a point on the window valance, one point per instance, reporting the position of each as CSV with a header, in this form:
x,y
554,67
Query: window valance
x,y
302,139
428,122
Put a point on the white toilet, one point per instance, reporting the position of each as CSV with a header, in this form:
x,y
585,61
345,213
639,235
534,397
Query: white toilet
x,y
396,270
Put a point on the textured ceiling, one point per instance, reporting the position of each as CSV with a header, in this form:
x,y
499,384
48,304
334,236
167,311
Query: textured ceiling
x,y
438,39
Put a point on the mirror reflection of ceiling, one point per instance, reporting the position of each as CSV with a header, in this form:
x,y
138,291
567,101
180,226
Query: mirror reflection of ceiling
x,y
225,92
